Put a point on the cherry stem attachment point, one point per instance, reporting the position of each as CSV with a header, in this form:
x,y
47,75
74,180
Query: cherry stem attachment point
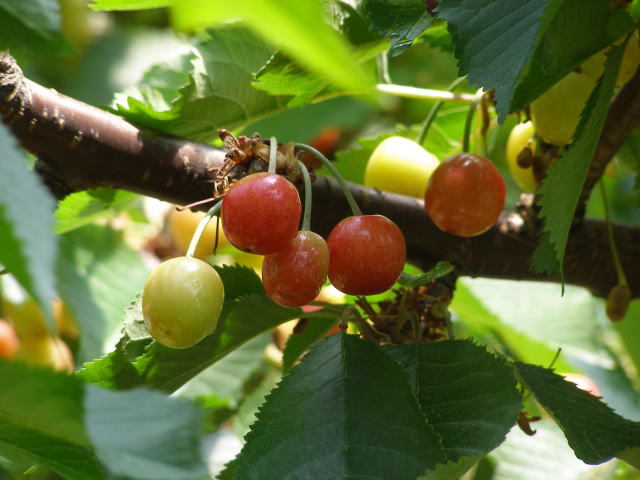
x,y
469,121
622,279
343,185
273,154
213,211
306,216
434,111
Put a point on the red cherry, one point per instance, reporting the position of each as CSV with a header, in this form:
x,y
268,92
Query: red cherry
x,y
366,254
465,195
294,276
261,213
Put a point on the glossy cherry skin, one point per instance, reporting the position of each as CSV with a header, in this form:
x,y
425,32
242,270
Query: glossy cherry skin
x,y
261,213
294,276
366,254
465,195
181,301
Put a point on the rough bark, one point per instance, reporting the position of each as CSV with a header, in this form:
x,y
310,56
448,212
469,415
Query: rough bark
x,y
80,147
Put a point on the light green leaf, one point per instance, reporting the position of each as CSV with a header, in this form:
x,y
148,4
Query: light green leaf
x,y
47,433
467,395
128,4
594,431
365,421
28,247
561,188
83,208
251,403
439,270
295,27
97,276
144,433
32,26
451,470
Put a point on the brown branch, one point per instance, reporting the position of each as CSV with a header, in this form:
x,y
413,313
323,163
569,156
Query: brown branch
x,y
83,147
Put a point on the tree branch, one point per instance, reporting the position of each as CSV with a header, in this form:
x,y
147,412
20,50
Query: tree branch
x,y
82,147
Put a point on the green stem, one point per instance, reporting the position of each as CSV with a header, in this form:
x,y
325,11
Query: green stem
x,y
469,121
273,154
434,111
201,226
343,185
424,93
306,217
622,279
382,63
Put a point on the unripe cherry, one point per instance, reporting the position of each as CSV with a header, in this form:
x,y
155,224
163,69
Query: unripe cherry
x,y
366,254
261,213
465,195
294,276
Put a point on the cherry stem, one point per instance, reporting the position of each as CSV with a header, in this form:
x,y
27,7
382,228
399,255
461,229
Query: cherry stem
x,y
382,64
306,216
467,125
213,211
343,185
273,154
424,93
434,111
195,204
622,279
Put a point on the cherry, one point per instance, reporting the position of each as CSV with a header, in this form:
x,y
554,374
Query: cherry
x,y
520,138
8,340
294,276
181,301
400,165
618,302
261,213
465,195
366,254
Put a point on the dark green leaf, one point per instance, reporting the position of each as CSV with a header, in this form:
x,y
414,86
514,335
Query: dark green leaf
x,y
145,434
468,395
345,410
97,276
46,433
27,244
561,188
239,281
520,52
439,270
82,208
594,431
399,20
315,328
33,26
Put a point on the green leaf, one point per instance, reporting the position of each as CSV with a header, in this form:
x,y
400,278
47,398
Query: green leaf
x,y
467,395
282,77
47,433
32,26
145,434
251,403
128,4
27,245
440,269
219,92
245,315
83,208
521,52
399,20
561,188
451,470
544,455
97,276
594,431
297,28
345,410
315,328
226,378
